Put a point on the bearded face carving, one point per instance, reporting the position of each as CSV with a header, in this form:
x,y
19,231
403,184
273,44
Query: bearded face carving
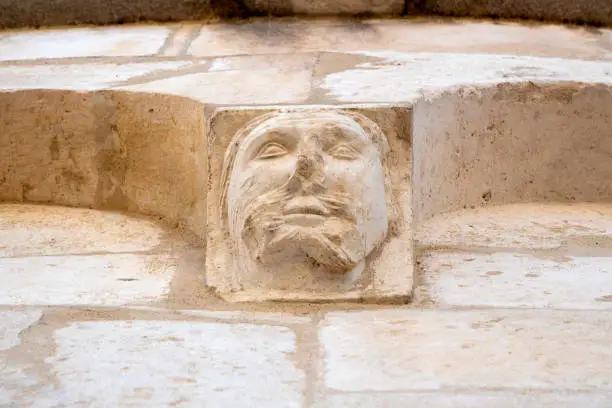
x,y
306,192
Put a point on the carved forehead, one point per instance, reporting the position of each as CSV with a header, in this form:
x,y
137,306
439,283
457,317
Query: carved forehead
x,y
308,120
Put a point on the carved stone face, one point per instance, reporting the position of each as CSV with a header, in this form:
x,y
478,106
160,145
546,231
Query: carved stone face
x,y
307,188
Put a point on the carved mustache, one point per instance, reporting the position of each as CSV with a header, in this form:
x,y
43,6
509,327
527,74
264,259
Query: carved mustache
x,y
270,209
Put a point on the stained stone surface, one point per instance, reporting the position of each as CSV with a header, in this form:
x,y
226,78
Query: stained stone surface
x,y
82,42
396,350
161,363
466,400
11,325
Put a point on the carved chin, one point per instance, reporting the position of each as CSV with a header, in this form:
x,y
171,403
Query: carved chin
x,y
306,245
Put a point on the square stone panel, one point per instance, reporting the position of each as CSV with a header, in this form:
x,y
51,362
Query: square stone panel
x,y
310,203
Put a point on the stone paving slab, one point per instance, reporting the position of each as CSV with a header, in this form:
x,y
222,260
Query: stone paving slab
x,y
108,280
182,364
517,280
393,350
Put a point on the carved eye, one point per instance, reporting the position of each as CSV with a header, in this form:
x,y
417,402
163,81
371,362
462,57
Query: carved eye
x,y
270,151
344,152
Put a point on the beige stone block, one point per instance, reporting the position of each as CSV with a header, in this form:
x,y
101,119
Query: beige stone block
x,y
561,229
27,230
517,280
409,77
102,280
236,87
113,150
394,350
523,399
400,36
511,144
174,363
86,77
383,272
130,41
12,323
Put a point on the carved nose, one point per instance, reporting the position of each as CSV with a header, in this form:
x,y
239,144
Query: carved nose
x,y
307,163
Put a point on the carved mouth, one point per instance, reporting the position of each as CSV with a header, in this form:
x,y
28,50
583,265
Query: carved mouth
x,y
305,219
305,206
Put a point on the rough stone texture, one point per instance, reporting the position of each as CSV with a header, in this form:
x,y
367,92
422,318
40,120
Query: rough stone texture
x,y
518,280
420,35
466,400
497,147
11,325
236,87
62,12
85,77
33,230
595,12
103,150
83,42
397,350
85,280
174,364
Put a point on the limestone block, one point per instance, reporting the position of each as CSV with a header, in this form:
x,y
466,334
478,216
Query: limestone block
x,y
12,323
395,350
517,280
512,143
310,204
236,86
113,150
468,400
35,230
106,280
85,77
174,363
83,42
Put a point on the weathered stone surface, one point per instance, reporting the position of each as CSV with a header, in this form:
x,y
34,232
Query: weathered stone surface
x,y
517,280
561,229
467,400
157,363
83,42
32,230
329,242
104,150
392,350
512,143
107,280
236,87
11,325
78,77
404,77
277,37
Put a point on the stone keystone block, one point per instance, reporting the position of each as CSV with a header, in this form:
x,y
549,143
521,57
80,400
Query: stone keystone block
x,y
310,204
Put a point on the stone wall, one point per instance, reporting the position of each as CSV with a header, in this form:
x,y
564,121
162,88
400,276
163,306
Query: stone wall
x,y
34,13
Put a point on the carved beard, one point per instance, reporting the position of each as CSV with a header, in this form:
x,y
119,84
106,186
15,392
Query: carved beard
x,y
333,242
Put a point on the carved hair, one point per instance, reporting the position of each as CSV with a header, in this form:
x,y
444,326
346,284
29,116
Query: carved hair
x,y
376,134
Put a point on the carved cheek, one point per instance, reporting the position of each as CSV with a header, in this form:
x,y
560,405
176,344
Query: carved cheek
x,y
266,175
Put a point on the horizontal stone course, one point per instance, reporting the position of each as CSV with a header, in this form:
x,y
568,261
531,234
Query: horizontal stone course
x,y
34,13
393,350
